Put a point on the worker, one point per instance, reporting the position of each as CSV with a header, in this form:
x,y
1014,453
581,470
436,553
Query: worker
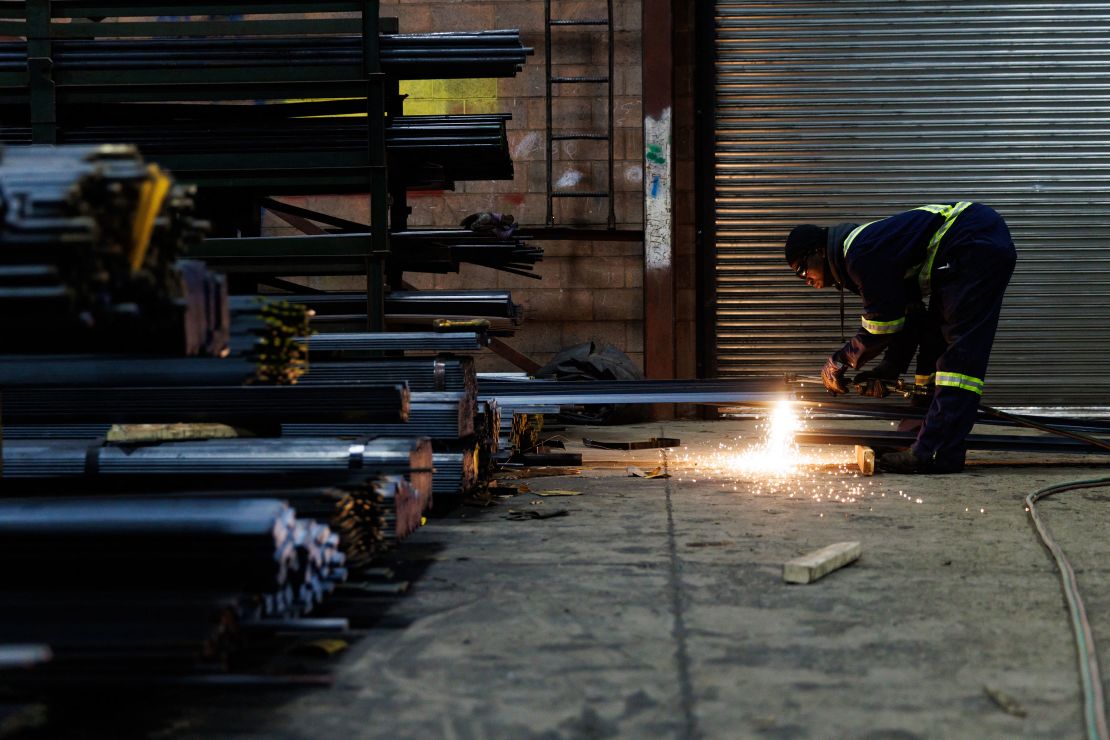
x,y
960,256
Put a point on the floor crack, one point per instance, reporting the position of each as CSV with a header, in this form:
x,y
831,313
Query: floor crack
x,y
678,632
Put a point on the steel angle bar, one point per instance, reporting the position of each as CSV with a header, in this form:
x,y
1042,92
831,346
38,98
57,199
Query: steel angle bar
x,y
997,442
254,404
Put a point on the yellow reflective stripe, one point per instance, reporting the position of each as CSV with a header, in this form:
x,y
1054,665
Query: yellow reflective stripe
x,y
883,327
925,274
925,379
852,236
958,380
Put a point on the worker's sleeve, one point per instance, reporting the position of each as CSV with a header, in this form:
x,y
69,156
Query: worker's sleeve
x,y
861,348
903,345
884,311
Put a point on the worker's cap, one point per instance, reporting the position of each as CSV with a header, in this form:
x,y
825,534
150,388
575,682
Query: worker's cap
x,y
804,240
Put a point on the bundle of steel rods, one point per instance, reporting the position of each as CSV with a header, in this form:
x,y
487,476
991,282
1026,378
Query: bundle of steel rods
x,y
456,473
156,579
427,151
90,244
224,459
265,347
423,374
444,253
495,53
452,416
370,512
250,546
236,405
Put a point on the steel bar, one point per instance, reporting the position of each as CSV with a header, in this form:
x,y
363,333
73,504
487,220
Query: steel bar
x,y
251,404
998,442
519,394
900,410
445,303
322,347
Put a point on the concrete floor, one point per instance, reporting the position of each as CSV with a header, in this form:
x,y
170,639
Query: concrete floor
x,y
656,608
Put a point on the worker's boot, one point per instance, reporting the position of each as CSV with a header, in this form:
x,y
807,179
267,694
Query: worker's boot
x,y
907,463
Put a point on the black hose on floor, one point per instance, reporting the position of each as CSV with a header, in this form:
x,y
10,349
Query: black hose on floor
x,y
1094,703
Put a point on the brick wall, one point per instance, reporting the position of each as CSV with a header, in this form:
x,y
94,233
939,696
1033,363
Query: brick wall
x,y
591,289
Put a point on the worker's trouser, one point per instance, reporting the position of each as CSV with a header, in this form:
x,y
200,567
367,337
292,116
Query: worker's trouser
x,y
969,281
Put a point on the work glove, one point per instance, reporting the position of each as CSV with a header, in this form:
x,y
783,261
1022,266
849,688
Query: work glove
x,y
879,372
871,381
832,374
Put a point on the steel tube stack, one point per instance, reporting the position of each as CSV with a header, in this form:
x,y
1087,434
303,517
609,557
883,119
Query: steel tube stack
x,y
112,579
353,402
223,457
493,53
449,417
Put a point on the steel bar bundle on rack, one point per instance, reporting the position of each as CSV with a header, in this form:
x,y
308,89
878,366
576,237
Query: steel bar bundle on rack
x,y
112,631
458,54
371,512
448,303
265,346
244,405
488,425
416,308
249,546
427,151
447,415
442,254
456,473
91,241
246,459
117,580
423,374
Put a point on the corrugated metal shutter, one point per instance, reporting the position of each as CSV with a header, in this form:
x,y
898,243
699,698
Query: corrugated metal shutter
x,y
845,110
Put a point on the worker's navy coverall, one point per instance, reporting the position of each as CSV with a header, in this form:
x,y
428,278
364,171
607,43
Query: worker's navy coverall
x,y
961,256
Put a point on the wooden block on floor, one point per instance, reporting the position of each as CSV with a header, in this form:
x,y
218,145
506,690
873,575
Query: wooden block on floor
x,y
865,459
819,563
